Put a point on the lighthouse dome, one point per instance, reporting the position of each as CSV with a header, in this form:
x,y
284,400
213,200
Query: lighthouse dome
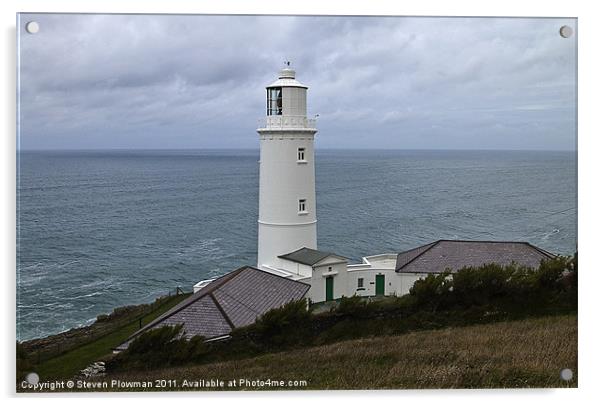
x,y
286,78
287,73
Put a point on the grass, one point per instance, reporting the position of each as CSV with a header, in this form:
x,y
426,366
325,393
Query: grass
x,y
70,363
517,354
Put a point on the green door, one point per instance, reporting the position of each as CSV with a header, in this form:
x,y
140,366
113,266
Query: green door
x,y
380,285
329,288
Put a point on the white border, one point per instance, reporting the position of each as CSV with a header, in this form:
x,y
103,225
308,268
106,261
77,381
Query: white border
x,y
589,182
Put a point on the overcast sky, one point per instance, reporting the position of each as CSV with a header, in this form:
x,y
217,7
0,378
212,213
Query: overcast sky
x,y
135,81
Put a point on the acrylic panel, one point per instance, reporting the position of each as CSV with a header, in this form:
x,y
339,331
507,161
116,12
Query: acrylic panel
x,y
383,202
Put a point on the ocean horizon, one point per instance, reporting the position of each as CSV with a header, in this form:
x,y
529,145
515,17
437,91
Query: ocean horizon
x,y
317,149
102,228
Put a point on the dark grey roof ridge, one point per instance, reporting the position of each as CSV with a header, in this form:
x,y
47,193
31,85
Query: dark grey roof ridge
x,y
420,246
547,253
221,310
419,255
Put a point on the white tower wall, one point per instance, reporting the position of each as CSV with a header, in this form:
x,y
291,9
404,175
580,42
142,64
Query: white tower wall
x,y
284,179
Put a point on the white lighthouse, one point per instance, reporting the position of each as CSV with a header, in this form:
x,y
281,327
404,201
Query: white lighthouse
x,y
287,193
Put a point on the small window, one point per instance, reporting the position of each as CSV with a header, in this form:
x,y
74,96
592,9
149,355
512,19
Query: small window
x,y
301,154
360,282
329,269
302,206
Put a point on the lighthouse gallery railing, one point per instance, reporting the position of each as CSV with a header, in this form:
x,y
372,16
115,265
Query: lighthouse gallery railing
x,y
286,122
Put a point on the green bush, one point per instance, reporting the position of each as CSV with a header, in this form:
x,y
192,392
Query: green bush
x,y
496,287
354,305
284,326
569,281
158,347
485,284
24,364
432,291
550,273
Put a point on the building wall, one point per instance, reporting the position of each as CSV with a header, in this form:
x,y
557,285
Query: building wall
x,y
345,277
392,282
407,281
338,271
346,281
293,267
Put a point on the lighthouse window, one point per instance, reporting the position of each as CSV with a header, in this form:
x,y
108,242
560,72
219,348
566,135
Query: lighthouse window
x,y
360,282
274,102
301,154
302,206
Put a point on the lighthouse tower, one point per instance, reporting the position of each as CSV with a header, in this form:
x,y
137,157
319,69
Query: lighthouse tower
x,y
287,193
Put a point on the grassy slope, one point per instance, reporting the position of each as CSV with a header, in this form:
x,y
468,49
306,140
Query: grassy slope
x,y
69,364
527,353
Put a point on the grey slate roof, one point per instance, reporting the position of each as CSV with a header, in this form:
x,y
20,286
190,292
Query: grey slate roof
x,y
440,255
232,300
308,256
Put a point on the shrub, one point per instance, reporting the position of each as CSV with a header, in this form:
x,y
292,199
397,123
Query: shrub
x,y
432,291
550,273
163,346
354,305
24,364
511,288
285,325
485,285
569,280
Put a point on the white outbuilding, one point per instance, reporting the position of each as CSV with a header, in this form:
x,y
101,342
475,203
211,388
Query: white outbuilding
x,y
332,277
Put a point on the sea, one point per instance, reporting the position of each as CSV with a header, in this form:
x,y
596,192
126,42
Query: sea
x,y
102,229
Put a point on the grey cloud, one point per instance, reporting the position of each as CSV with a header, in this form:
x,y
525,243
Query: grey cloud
x,y
136,81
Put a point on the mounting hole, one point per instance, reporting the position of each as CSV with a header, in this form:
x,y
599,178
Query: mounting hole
x,y
566,31
32,27
566,374
32,378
